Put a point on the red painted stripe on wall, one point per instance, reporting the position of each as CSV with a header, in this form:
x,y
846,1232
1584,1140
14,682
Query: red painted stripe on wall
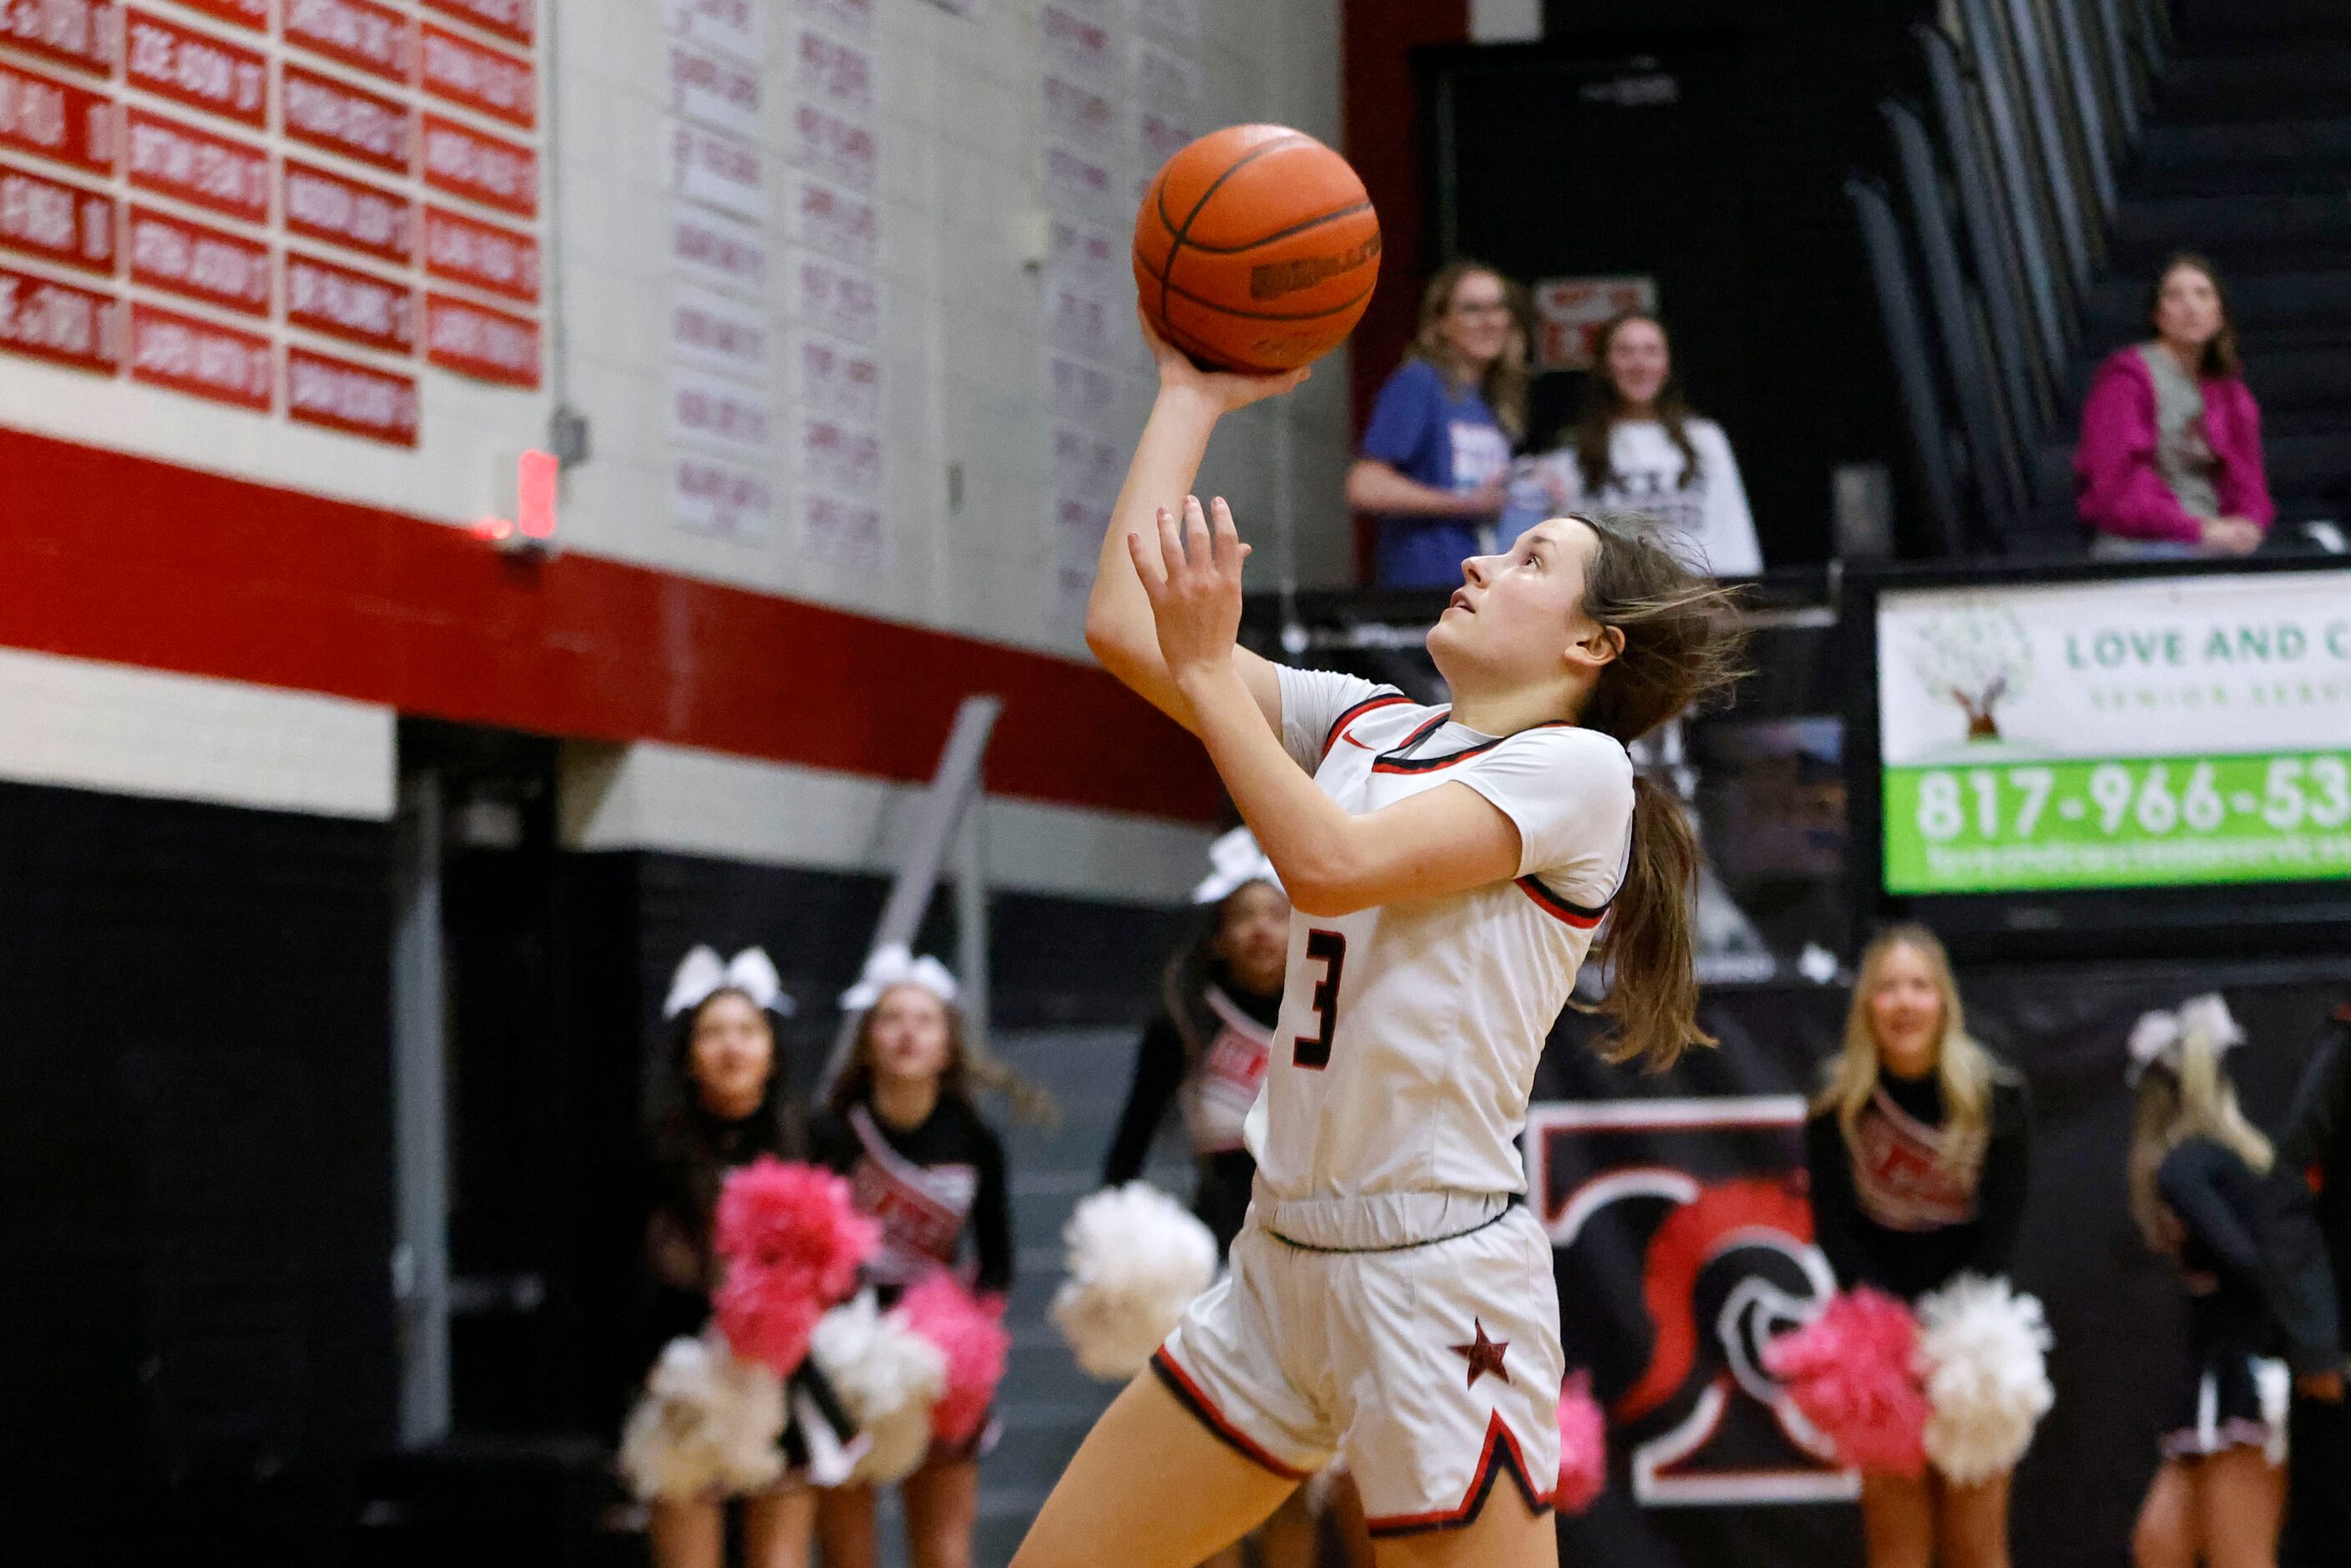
x,y
104,555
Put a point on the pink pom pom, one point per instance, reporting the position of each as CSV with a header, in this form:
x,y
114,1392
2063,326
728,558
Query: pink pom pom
x,y
1852,1371
1582,1445
970,1334
772,1215
791,1241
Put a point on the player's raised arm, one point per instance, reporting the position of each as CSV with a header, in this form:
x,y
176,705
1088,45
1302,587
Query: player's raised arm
x,y
1119,627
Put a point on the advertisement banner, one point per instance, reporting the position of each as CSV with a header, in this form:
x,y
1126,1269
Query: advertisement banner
x,y
2150,731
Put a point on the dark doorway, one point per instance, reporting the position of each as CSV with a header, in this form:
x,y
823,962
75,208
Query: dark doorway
x,y
1556,166
539,1122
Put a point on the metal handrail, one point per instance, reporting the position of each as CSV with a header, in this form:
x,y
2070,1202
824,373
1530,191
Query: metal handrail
x,y
2018,183
948,819
2026,370
2048,129
1999,475
1898,303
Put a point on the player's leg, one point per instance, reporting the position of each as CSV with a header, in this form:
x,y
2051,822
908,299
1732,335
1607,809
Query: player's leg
x,y
1973,1522
1897,1522
1151,1487
2167,1532
2245,1502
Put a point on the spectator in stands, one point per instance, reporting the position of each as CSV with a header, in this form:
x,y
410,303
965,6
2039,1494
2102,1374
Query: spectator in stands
x,y
2314,1153
731,1105
1436,455
1637,445
2170,460
1917,1153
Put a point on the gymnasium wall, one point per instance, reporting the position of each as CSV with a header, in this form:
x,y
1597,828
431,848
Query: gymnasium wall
x,y
810,270
225,585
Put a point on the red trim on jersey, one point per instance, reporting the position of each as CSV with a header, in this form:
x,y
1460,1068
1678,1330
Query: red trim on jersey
x,y
1339,725
1500,1453
1187,1393
1434,764
1560,909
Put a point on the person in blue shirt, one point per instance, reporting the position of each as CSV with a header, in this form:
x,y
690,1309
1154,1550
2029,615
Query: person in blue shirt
x,y
1436,458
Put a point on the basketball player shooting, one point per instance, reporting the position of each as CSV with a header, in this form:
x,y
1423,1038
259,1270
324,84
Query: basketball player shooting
x,y
1389,1299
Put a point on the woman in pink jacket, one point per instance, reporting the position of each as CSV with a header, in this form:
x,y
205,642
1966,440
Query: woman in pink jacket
x,y
2170,460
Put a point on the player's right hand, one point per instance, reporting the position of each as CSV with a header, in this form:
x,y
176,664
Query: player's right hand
x,y
1224,391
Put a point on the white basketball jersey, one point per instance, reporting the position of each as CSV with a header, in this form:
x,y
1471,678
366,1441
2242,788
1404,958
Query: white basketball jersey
x,y
1408,1037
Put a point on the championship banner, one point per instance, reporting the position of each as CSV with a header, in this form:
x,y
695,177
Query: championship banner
x,y
1682,1241
2130,732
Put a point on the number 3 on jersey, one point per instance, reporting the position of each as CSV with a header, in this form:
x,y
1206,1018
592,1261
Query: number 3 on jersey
x,y
1314,1050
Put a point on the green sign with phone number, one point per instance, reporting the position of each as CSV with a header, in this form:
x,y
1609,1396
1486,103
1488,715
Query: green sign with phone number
x,y
2118,822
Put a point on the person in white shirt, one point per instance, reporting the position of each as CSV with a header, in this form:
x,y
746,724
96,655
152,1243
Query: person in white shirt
x,y
1390,1300
1637,445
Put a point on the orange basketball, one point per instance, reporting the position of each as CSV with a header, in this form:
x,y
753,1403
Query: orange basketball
x,y
1256,249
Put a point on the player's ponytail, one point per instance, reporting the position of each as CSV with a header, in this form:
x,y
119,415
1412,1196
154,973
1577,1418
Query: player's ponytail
x,y
1681,646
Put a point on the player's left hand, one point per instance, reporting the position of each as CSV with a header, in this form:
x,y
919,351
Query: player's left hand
x,y
1195,587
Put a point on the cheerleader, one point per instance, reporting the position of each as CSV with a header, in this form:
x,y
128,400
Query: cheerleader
x,y
731,1105
1917,1153
1212,1037
2199,1194
901,1125
1390,1300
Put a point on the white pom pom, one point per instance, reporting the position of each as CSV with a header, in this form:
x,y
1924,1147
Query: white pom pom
x,y
1984,1348
706,1424
887,1376
1135,1258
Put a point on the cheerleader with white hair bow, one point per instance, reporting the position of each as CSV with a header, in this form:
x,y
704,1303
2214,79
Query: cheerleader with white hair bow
x,y
2199,1192
710,1428
1210,1041
901,1124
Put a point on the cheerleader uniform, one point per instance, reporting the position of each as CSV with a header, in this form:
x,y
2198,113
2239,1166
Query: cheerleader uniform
x,y
1894,1213
691,1154
931,1186
1217,1082
2250,1297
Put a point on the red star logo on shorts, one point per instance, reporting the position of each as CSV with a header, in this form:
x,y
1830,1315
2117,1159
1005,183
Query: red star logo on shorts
x,y
1484,1356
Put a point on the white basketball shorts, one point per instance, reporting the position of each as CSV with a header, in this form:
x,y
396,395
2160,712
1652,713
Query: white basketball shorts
x,y
1432,1367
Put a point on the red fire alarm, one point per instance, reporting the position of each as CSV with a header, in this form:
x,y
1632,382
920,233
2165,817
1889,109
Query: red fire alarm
x,y
531,531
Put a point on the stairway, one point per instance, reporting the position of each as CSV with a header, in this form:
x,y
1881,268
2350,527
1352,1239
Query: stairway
x,y
1047,1403
2247,158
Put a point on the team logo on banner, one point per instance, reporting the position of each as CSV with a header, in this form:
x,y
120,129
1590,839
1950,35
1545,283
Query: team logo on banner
x,y
1682,1234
